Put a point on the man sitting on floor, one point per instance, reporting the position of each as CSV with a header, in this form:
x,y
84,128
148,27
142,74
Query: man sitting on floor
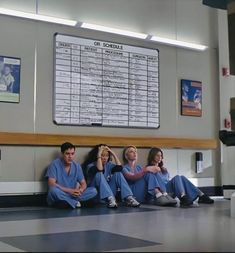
x,y
66,183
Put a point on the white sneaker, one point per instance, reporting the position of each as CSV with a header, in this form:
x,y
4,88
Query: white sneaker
x,y
112,202
78,205
132,202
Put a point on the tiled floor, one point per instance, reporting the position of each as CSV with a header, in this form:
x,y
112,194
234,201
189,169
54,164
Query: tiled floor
x,y
202,228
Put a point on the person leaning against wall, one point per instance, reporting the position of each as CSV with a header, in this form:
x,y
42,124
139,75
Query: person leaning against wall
x,y
145,182
178,186
104,171
66,184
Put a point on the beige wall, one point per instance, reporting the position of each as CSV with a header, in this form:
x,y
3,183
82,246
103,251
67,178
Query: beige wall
x,y
33,42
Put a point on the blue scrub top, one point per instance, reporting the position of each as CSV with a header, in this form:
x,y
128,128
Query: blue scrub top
x,y
165,176
127,169
57,171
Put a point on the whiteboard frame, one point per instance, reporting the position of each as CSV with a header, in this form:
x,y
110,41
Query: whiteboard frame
x,y
94,124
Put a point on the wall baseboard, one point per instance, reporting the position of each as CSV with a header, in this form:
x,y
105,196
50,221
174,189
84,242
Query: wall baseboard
x,y
212,190
40,199
23,200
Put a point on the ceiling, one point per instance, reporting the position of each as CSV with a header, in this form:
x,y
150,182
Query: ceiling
x,y
219,4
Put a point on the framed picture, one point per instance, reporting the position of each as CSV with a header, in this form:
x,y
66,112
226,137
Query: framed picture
x,y
9,79
191,98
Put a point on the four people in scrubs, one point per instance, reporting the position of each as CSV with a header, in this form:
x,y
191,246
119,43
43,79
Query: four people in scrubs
x,y
103,177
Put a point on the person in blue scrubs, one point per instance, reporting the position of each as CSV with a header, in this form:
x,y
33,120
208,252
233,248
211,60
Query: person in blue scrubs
x,y
104,171
178,186
66,183
145,183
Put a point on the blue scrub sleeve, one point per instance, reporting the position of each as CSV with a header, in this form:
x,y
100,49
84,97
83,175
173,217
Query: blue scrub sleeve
x,y
51,171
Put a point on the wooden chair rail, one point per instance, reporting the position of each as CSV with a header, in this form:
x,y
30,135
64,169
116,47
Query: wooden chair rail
x,y
38,139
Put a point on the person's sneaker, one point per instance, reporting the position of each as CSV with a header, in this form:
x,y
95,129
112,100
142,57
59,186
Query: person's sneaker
x,y
185,201
162,201
78,205
132,202
172,202
112,202
205,199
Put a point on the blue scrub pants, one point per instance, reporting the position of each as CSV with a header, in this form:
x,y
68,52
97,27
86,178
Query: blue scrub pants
x,y
118,181
55,194
146,185
180,184
102,186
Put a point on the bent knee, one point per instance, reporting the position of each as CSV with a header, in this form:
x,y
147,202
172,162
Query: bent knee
x,y
54,190
93,191
99,174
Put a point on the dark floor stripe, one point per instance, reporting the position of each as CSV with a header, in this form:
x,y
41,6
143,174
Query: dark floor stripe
x,y
82,241
47,212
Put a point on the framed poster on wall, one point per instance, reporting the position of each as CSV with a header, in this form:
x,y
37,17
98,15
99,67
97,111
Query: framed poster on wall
x,y
191,98
9,79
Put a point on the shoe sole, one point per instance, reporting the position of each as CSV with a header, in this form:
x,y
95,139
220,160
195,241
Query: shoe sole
x,y
132,205
165,204
172,204
186,206
205,203
113,207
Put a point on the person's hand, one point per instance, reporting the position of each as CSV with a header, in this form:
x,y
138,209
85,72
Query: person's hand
x,y
157,169
100,150
108,149
75,192
153,169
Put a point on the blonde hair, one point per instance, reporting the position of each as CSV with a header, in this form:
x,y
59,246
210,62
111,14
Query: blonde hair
x,y
125,151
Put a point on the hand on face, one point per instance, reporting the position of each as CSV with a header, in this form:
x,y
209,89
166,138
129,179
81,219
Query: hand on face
x,y
100,150
104,156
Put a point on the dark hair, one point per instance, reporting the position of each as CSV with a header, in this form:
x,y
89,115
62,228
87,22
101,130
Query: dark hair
x,y
152,154
65,146
92,156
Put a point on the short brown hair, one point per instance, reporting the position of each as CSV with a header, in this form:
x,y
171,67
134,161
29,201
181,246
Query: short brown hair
x,y
65,146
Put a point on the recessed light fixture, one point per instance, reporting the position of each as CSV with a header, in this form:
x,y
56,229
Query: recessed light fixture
x,y
38,17
114,30
74,23
179,43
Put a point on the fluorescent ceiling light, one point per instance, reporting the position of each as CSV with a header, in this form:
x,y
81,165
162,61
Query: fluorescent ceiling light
x,y
101,28
37,17
114,30
179,43
145,36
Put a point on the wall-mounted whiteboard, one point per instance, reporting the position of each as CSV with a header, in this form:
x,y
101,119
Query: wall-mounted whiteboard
x,y
100,83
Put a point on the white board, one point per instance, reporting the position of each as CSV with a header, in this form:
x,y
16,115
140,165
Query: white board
x,y
100,83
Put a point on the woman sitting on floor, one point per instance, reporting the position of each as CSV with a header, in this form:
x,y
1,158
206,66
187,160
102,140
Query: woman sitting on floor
x,y
144,181
178,186
107,177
